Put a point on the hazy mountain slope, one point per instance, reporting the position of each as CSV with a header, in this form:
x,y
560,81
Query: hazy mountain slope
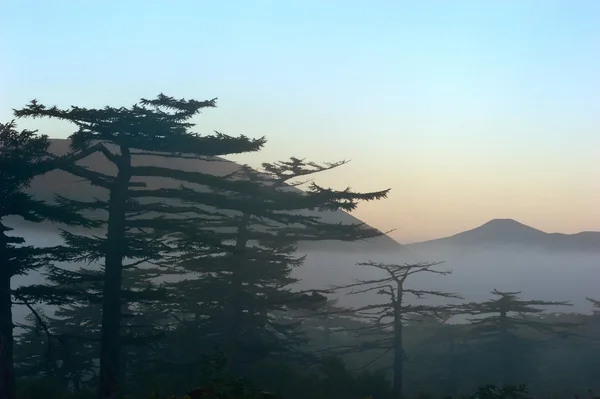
x,y
59,182
508,232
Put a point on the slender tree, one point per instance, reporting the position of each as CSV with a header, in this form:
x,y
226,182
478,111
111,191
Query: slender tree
x,y
23,156
134,228
389,318
505,319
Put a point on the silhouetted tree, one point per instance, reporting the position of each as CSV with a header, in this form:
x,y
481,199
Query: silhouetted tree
x,y
23,155
505,320
134,227
240,282
392,315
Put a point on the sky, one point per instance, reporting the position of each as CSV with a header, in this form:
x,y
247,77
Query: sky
x,y
467,110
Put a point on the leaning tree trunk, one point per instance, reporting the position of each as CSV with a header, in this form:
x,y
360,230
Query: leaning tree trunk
x,y
7,375
113,271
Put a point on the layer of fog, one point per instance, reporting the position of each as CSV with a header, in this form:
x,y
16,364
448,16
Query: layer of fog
x,y
546,276
556,276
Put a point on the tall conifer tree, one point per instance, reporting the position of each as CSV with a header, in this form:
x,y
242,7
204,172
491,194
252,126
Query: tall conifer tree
x,y
158,127
23,156
236,287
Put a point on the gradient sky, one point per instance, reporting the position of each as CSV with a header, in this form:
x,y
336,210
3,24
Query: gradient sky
x,y
468,110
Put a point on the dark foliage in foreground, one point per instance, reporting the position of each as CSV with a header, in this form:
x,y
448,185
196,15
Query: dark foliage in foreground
x,y
23,156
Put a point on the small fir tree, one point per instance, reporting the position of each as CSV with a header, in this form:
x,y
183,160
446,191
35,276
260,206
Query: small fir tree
x,y
506,319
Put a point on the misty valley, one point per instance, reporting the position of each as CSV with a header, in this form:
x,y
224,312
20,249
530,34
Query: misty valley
x,y
138,262
565,275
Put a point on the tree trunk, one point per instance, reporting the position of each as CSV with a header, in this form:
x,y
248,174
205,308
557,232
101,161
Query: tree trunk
x,y
453,369
398,351
236,306
113,271
124,353
506,350
76,383
7,374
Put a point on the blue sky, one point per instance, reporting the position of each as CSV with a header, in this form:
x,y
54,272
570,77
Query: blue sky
x,y
469,110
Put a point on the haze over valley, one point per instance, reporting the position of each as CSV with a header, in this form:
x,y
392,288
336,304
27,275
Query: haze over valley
x,y
502,254
299,200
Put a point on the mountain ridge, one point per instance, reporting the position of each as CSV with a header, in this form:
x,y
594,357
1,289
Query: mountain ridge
x,y
509,232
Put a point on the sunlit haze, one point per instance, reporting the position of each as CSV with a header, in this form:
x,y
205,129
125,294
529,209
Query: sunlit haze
x,y
468,110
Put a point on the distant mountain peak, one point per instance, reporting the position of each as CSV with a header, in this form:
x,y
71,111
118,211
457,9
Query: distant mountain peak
x,y
505,225
499,231
514,233
500,221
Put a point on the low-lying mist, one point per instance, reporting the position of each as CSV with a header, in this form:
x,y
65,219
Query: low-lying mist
x,y
555,276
